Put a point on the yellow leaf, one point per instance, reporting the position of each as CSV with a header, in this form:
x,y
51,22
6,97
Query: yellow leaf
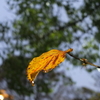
x,y
45,62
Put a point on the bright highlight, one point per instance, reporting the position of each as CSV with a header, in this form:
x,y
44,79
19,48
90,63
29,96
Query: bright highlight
x,y
98,69
1,97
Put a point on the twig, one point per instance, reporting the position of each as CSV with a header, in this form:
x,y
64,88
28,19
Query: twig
x,y
85,61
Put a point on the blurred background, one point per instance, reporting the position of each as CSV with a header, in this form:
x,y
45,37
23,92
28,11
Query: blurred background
x,y
30,27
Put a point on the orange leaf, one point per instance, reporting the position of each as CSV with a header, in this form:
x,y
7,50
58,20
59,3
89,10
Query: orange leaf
x,y
45,62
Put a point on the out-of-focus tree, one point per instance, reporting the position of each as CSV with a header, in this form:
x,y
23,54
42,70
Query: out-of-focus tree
x,y
41,25
95,97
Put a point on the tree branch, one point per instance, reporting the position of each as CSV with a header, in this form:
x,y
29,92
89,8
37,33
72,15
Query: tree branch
x,y
83,60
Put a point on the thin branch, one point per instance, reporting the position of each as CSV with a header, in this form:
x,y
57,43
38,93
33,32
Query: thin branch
x,y
85,61
73,56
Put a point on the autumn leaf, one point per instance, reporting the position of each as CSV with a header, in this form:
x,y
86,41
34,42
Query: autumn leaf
x,y
45,62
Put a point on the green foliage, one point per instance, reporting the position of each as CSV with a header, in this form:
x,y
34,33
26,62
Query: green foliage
x,y
13,70
39,28
95,97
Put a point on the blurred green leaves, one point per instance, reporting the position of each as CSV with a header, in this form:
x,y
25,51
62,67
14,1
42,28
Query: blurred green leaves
x,y
13,70
38,28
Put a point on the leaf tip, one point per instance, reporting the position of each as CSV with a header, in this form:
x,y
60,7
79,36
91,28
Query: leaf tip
x,y
33,83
